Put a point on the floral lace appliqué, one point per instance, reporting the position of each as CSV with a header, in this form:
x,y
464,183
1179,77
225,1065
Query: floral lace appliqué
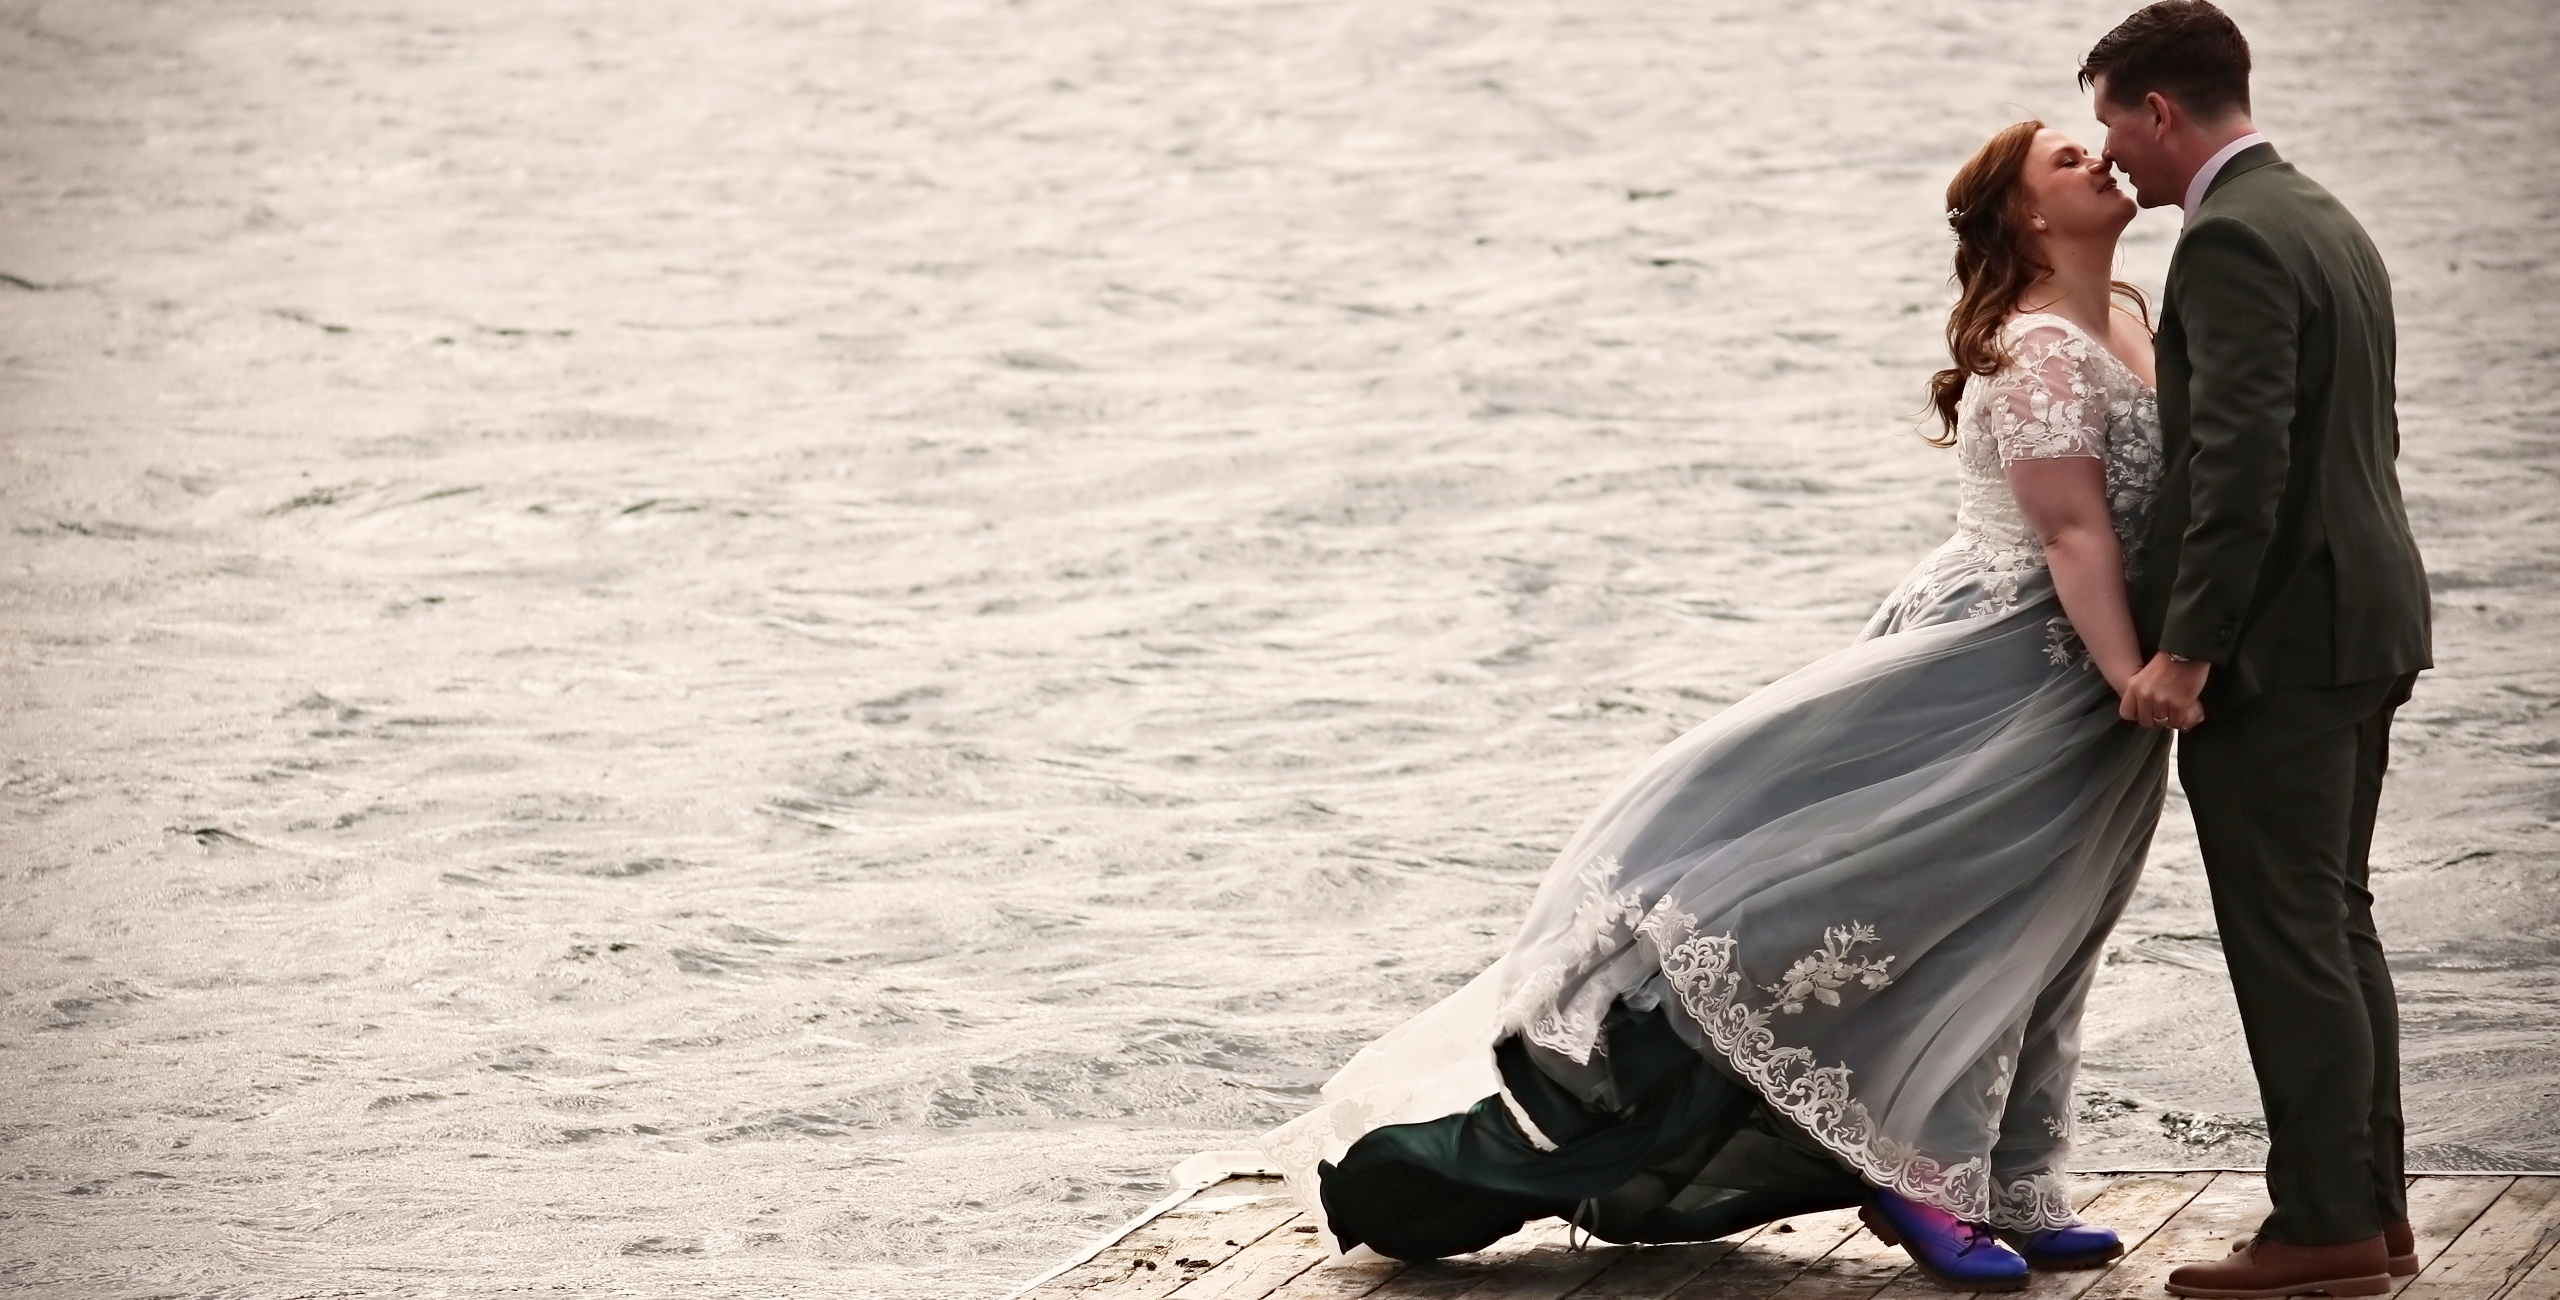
x,y
2050,400
2062,647
1820,975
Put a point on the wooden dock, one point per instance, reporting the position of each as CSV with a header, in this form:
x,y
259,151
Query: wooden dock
x,y
2480,1237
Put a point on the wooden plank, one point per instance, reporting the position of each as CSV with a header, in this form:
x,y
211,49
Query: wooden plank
x,y
1333,1280
1852,1270
1145,1264
2201,1231
1538,1263
2441,1208
1538,1249
1260,1267
1656,1272
2135,1205
2479,1238
1772,1257
2497,1250
1560,1264
2542,1282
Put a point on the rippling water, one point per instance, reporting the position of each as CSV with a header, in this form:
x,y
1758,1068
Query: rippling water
x,y
751,646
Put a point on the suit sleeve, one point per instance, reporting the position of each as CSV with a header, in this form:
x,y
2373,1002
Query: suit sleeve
x,y
2243,335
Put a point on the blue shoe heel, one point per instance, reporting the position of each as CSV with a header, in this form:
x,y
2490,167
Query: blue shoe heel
x,y
1957,1255
2074,1246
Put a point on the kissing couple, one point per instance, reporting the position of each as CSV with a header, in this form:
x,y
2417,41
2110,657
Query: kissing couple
x,y
1831,948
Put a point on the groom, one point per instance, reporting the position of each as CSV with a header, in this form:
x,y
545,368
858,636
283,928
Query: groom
x,y
2287,610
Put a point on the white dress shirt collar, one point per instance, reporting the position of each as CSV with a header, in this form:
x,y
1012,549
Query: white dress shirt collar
x,y
2212,168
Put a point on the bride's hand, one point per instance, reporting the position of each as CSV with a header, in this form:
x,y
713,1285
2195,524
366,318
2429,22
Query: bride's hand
x,y
2119,677
2165,694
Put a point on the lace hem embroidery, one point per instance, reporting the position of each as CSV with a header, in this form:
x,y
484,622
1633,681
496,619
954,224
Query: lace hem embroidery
x,y
2033,1203
1816,1098
1604,922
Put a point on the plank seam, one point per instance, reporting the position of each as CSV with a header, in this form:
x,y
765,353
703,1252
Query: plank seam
x,y
1149,1215
1736,1243
1285,1225
2098,1277
2522,1269
1284,1282
2456,1234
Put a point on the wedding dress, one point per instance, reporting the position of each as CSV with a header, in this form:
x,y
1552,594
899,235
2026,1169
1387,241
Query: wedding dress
x,y
1837,937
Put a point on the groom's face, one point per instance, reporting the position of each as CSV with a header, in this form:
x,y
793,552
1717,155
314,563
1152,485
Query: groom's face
x,y
2136,144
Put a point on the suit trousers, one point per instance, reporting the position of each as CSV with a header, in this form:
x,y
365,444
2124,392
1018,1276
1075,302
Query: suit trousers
x,y
2283,786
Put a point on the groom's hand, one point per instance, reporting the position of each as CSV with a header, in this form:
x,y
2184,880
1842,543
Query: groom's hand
x,y
2164,693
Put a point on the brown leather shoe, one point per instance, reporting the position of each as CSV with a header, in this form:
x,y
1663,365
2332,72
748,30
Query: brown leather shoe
x,y
2264,1268
2396,1238
2403,1245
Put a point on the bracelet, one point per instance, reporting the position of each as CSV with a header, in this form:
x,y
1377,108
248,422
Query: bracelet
x,y
2177,658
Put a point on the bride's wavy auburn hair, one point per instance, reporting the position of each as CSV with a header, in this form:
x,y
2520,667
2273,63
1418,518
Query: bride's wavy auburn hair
x,y
1995,265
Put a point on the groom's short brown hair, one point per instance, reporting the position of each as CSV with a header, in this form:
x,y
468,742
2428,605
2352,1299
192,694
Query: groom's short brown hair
x,y
2188,50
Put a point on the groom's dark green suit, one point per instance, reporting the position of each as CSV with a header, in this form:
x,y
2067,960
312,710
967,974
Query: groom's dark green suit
x,y
2281,554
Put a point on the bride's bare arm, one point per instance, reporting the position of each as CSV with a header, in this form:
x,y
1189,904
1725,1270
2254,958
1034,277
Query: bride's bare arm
x,y
2064,500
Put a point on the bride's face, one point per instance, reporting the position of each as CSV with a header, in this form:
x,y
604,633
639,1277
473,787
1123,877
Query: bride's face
x,y
2071,190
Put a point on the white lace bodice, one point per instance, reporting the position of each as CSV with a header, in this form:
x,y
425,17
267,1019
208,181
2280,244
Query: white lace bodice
x,y
2063,394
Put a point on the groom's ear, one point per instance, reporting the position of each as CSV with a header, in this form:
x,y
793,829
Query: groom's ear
x,y
2165,116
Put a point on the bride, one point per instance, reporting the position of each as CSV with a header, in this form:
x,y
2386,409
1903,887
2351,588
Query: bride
x,y
1831,947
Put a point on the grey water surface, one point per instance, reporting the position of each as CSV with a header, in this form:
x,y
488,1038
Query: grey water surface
x,y
736,648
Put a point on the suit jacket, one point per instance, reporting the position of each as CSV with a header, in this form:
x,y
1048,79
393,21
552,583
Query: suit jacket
x,y
2280,550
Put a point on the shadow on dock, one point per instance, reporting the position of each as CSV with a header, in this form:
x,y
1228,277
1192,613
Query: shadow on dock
x,y
2480,1237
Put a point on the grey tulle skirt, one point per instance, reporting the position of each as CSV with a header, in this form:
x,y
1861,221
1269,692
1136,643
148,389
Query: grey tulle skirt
x,y
1875,892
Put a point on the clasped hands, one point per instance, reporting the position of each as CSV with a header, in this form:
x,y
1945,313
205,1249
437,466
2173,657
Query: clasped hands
x,y
2163,694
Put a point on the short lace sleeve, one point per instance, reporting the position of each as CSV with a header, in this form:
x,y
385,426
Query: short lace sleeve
x,y
2049,402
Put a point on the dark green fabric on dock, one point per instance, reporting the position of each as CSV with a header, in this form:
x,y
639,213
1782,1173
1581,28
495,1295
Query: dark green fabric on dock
x,y
1652,1144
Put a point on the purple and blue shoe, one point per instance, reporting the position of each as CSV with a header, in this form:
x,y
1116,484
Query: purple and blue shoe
x,y
2075,1245
1955,1254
